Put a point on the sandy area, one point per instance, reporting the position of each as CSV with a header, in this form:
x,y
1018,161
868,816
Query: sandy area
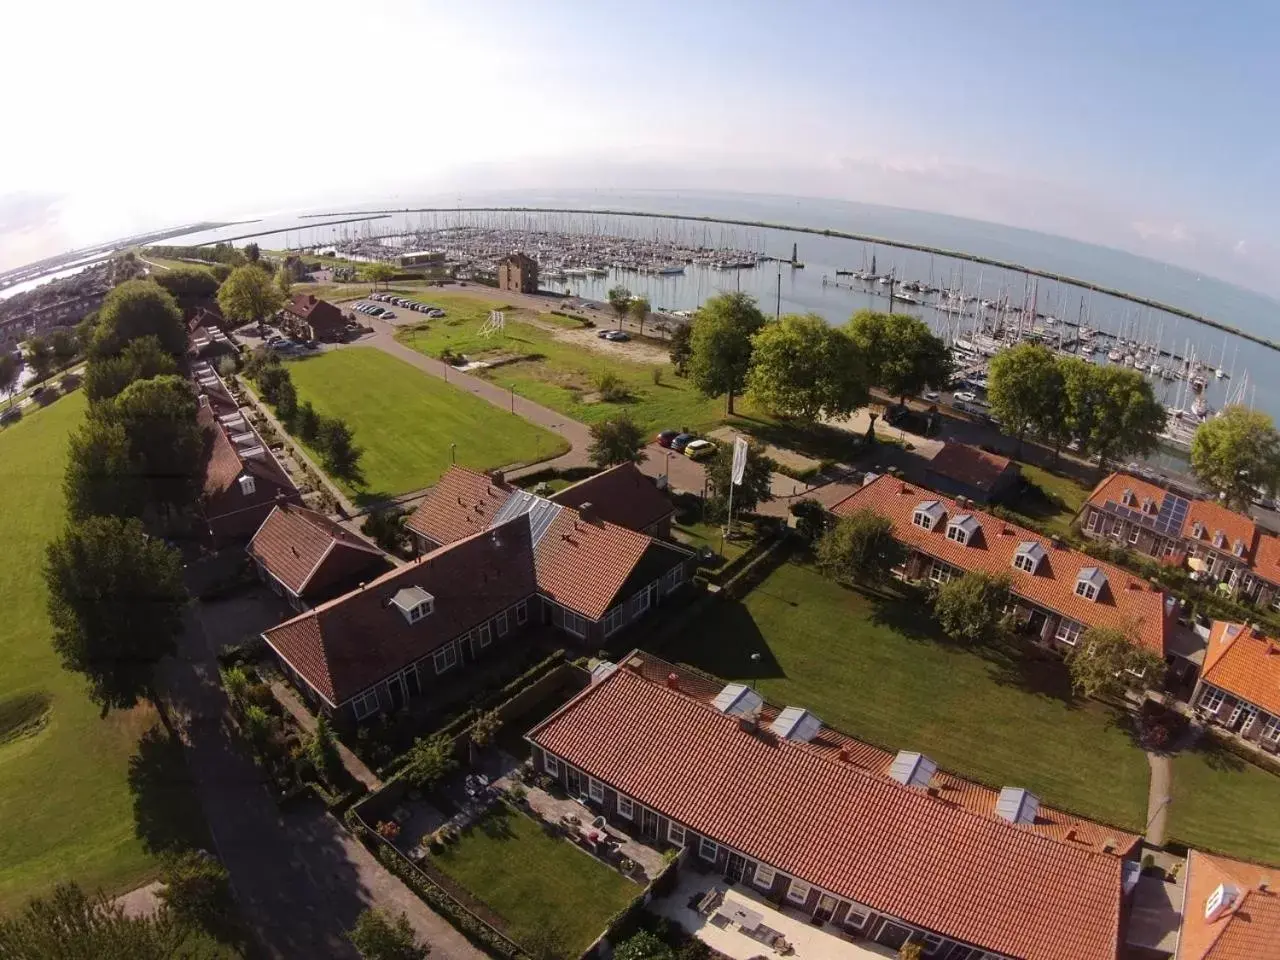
x,y
634,350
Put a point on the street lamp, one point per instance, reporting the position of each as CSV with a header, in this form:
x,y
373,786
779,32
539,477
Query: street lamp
x,y
755,662
453,453
666,470
513,398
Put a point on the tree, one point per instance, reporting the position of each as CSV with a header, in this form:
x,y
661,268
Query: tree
x,y
378,935
143,358
1104,663
860,547
287,402
381,273
802,367
68,924
307,423
1236,454
341,455
252,252
620,300
139,308
429,760
757,478
643,945
248,295
385,527
322,750
913,949
284,280
101,478
40,358
63,344
165,441
483,730
901,353
617,440
1025,388
721,344
812,519
115,602
970,608
197,890
681,347
1113,411
10,372
639,311
188,284
271,376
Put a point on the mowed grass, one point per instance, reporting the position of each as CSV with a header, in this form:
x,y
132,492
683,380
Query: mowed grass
x,y
879,670
65,807
1224,804
559,374
1055,501
534,881
405,420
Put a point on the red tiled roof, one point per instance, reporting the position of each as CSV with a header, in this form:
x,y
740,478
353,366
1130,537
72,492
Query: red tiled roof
x,y
321,314
348,644
1266,557
227,509
461,503
1129,603
582,564
1249,930
621,495
295,545
969,465
1245,664
895,849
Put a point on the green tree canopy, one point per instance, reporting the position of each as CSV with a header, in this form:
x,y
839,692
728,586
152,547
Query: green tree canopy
x,y
643,945
248,295
284,280
69,925
721,344
101,478
252,252
165,441
639,310
39,356
115,602
188,284
1026,388
10,372
341,455
1104,663
1113,411
1237,453
378,935
379,272
970,608
620,300
802,367
681,347
616,440
64,346
143,358
429,760
197,890
139,308
901,354
860,548
322,749
756,480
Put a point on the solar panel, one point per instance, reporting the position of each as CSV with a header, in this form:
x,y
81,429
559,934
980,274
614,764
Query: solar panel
x,y
1169,520
539,510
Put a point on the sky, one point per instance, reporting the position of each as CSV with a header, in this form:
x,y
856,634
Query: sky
x,y
1146,126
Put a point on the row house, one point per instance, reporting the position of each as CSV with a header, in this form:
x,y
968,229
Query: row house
x,y
872,845
1217,544
307,317
1230,910
1239,686
1058,592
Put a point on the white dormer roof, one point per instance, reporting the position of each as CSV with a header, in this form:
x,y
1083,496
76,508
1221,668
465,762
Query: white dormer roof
x,y
1093,576
1017,805
966,522
413,602
932,509
796,723
1030,550
913,769
739,700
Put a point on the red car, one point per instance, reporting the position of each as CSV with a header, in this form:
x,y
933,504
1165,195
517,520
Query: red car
x,y
666,437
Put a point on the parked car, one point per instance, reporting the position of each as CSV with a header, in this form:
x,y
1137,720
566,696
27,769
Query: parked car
x,y
617,336
699,449
931,395
603,334
272,341
681,441
435,312
388,315
666,436
964,396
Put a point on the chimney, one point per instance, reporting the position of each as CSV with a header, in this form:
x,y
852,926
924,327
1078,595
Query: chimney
x,y
497,476
1109,845
1072,835
588,511
673,681
635,664
844,754
1264,885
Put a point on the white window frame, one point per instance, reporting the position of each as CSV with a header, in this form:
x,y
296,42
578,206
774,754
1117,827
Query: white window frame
x,y
1024,562
450,654
522,613
503,625
862,913
795,886
550,764
675,833
671,579
1086,589
614,619
1134,533
1271,732
705,844
359,705
1094,517
765,876
1066,634
922,520
420,610
957,533
1212,700
626,808
1170,548
595,789
1219,540
575,624
1197,530
941,572
484,634
642,601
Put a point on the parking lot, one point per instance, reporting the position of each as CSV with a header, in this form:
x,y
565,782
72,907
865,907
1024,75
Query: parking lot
x,y
392,308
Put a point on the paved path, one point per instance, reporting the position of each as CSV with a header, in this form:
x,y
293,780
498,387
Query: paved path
x,y
1158,797
299,878
141,902
353,764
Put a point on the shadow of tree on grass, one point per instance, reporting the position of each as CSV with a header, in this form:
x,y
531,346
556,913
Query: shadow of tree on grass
x,y
167,816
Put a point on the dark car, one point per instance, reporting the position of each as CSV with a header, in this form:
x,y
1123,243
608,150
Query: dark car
x,y
618,336
666,436
604,334
682,440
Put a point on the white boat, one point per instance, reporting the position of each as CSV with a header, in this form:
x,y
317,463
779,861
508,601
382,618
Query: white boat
x,y
670,269
1219,373
1114,356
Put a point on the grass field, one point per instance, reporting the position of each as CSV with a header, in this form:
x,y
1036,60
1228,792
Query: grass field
x,y
1223,804
65,805
560,375
405,420
536,882
1055,502
879,670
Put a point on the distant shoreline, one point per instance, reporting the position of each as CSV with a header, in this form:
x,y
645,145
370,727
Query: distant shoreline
x,y
842,235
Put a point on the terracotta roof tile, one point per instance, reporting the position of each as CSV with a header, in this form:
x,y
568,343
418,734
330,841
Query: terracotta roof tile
x,y
295,544
897,850
1245,664
321,314
970,465
582,564
621,495
1128,603
1249,930
346,645
1266,557
461,503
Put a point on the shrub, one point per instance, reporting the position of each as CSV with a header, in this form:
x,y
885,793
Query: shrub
x,y
236,683
657,376
322,751
610,386
197,889
388,830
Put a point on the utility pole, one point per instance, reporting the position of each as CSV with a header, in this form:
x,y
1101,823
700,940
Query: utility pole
x,y
777,307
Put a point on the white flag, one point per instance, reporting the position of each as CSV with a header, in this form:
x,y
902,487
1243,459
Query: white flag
x,y
739,460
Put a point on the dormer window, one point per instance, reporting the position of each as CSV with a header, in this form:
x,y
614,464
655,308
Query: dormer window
x,y
414,603
1028,557
1219,539
928,515
1197,529
1090,583
961,529
1238,547
1127,497
1148,505
247,485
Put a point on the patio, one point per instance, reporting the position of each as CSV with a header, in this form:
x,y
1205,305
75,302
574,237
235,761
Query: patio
x,y
743,925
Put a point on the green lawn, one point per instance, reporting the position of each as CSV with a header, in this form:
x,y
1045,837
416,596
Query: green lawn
x,y
65,806
535,881
1055,501
879,670
1223,804
559,374
405,420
